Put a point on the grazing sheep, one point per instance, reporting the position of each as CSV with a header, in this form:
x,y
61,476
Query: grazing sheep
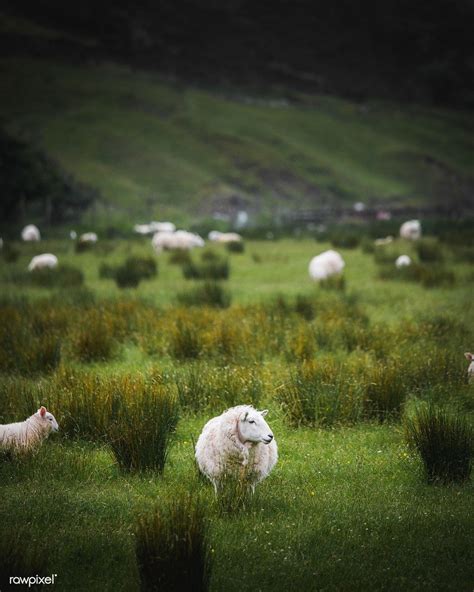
x,y
380,242
224,237
1,243
30,233
46,260
470,370
73,235
88,237
325,265
181,239
411,230
402,261
237,442
29,433
154,227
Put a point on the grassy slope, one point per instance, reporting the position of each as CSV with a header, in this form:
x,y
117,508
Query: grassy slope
x,y
156,149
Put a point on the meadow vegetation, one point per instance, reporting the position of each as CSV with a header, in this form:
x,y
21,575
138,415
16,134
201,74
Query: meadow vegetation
x,y
369,401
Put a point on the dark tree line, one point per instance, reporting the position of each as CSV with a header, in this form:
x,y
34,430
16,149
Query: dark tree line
x,y
401,49
31,184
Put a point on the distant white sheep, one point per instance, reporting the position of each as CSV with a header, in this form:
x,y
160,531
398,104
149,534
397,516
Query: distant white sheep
x,y
30,233
88,238
46,260
181,239
325,265
411,230
380,242
470,370
29,433
402,261
73,235
153,227
238,442
224,237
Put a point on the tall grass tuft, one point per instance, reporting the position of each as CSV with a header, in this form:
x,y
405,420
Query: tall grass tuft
x,y
141,432
429,250
207,294
213,268
93,338
234,493
185,340
172,547
445,442
236,247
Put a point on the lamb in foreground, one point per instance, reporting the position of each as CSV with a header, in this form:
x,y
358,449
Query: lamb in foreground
x,y
238,442
27,434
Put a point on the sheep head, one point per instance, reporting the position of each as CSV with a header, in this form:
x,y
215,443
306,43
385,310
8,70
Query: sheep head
x,y
252,427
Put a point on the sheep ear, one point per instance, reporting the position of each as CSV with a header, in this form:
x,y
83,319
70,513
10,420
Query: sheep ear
x,y
264,412
42,411
469,356
245,416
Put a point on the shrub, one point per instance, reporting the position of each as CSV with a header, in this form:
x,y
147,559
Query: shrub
x,y
429,250
179,257
207,294
132,271
444,442
64,276
172,547
141,432
335,282
213,269
236,247
9,253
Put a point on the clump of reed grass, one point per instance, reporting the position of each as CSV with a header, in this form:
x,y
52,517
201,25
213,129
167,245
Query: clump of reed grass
x,y
141,431
236,247
214,268
320,392
25,346
172,547
63,276
445,442
429,276
131,272
429,250
335,282
185,339
9,253
207,294
93,338
179,257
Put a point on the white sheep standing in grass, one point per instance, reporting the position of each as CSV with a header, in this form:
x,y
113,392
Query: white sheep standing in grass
x,y
470,370
224,237
30,233
44,261
89,238
325,265
402,261
25,435
411,230
181,239
237,442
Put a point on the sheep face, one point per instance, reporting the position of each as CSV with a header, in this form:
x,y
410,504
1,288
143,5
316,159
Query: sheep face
x,y
48,419
253,427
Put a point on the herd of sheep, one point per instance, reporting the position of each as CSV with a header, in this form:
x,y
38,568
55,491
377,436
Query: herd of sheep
x,y
238,441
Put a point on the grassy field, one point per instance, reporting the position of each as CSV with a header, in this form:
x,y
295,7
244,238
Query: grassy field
x,y
159,150
340,368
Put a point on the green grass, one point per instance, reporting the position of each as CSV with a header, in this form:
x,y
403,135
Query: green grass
x,y
158,150
347,506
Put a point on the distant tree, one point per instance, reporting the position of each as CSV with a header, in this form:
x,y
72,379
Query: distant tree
x,y
33,184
